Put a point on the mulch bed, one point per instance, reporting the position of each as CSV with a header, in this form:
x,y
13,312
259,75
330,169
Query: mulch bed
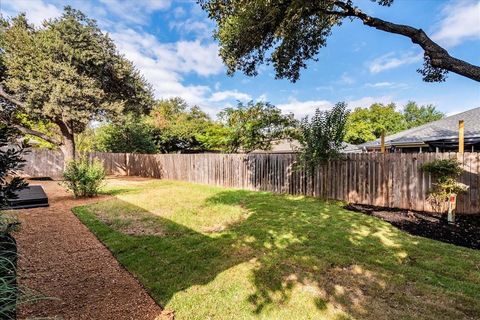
x,y
464,232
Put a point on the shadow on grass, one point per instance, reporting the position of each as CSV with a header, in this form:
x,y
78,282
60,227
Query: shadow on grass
x,y
358,264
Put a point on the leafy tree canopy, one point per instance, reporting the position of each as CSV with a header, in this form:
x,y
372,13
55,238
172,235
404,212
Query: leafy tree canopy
x,y
367,124
255,126
417,115
288,33
178,125
68,73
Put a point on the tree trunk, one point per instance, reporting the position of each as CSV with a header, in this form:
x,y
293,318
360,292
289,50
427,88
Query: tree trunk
x,y
68,144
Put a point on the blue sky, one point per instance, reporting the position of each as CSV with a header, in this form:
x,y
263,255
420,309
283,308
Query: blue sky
x,y
170,42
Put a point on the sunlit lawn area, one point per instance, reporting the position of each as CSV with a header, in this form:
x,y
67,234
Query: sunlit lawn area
x,y
214,253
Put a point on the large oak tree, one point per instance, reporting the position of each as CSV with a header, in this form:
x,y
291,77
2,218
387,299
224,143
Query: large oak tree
x,y
67,72
287,33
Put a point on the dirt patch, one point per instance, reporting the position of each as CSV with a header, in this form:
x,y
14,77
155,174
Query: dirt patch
x,y
464,232
60,258
131,224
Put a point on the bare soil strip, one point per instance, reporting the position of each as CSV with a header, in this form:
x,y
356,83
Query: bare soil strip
x,y
62,259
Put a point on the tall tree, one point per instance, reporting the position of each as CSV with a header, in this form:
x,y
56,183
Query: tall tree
x,y
255,126
321,137
68,73
417,115
366,124
178,125
293,31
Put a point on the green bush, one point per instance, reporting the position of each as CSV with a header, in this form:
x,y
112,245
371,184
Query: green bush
x,y
444,168
84,178
445,172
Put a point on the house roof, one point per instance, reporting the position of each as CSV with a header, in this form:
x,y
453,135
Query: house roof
x,y
291,146
446,128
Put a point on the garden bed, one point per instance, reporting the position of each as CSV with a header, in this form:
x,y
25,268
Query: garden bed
x,y
464,232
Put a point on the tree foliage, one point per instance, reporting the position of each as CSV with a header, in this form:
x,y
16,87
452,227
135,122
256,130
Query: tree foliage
x,y
254,126
289,33
11,160
132,135
178,125
84,178
445,173
417,115
366,124
68,73
321,137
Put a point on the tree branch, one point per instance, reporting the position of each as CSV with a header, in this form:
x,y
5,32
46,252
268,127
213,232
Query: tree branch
x,y
37,134
10,98
439,57
21,128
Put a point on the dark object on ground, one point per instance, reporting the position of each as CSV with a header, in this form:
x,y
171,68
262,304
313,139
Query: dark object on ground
x,y
8,276
464,232
30,197
40,179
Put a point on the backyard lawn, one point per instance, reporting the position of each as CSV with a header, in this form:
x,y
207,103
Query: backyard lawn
x,y
215,253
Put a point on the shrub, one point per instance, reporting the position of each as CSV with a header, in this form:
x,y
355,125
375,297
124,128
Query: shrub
x,y
84,178
445,172
11,152
321,137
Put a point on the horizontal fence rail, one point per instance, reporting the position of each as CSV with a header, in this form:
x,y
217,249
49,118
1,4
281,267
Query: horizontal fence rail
x,y
389,180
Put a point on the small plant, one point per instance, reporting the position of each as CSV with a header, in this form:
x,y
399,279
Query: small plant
x,y
446,173
84,178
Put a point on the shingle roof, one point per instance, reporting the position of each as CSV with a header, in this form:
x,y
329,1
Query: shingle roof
x,y
442,129
291,146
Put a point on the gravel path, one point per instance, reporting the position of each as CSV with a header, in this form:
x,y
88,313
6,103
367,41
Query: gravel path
x,y
61,258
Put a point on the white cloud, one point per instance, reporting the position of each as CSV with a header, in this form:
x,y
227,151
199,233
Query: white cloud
x,y
392,61
307,108
263,97
229,94
164,64
179,12
326,88
461,22
135,11
200,58
386,84
201,29
366,102
303,108
36,11
346,79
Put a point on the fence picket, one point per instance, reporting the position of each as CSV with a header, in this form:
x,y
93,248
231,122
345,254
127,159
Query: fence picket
x,y
390,180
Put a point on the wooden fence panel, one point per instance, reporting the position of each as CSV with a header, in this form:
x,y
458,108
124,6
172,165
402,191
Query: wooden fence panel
x,y
390,180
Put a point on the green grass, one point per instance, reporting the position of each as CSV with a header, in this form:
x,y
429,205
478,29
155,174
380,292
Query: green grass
x,y
214,253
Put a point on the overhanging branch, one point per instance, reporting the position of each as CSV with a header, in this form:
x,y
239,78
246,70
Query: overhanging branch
x,y
37,134
439,57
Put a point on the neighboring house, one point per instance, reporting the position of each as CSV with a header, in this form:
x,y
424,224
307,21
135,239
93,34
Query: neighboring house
x,y
292,146
436,136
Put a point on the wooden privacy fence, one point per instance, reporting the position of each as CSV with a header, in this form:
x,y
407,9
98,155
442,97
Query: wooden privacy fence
x,y
390,180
